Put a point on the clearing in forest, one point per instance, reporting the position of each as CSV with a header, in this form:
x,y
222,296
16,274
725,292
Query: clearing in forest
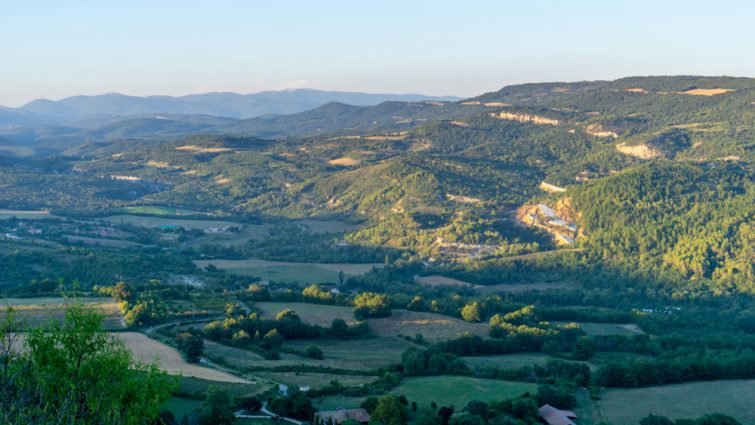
x,y
344,161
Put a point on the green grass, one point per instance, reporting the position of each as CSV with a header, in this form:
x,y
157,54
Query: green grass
x,y
151,222
333,402
599,359
507,361
328,226
315,314
159,210
248,231
279,271
690,400
108,243
458,390
199,387
522,287
314,380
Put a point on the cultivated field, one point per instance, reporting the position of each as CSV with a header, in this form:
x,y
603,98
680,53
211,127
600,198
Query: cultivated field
x,y
314,314
148,350
691,400
108,243
458,390
523,287
328,226
160,210
38,311
436,280
507,361
4,214
151,222
432,326
361,354
288,272
314,380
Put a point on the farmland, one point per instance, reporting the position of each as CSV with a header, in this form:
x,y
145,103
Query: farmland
x,y
288,271
691,400
432,326
507,361
152,222
458,390
148,350
39,311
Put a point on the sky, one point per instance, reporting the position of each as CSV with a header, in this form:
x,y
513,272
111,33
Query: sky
x,y
55,49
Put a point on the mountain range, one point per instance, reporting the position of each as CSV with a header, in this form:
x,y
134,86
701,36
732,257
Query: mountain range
x,y
232,105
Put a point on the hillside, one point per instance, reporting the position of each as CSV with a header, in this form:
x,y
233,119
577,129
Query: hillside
x,y
443,180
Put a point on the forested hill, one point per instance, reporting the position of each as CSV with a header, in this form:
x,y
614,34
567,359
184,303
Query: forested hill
x,y
656,171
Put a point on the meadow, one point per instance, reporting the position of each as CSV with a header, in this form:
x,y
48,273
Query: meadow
x,y
315,314
690,400
26,214
507,361
281,271
458,390
152,222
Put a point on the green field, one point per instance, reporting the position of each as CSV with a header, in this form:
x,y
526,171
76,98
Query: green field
x,y
458,390
360,354
314,380
108,243
315,314
151,222
287,271
522,287
691,400
160,210
507,361
333,402
38,311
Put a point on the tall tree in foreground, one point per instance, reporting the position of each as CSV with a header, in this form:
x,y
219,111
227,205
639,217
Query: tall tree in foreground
x,y
75,373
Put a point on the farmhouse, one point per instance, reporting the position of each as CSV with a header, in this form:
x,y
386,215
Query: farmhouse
x,y
552,416
338,416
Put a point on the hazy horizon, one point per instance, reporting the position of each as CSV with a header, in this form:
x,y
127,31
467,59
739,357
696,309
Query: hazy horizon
x,y
439,48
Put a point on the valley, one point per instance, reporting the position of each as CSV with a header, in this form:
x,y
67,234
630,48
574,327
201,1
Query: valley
x,y
585,245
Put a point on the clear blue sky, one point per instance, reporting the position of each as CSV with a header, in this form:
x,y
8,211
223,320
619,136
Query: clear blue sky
x,y
54,49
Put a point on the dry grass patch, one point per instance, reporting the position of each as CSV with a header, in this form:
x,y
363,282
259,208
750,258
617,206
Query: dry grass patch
x,y
636,90
200,149
344,161
39,311
706,92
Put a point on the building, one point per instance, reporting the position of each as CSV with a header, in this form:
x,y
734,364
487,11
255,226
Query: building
x,y
338,416
552,416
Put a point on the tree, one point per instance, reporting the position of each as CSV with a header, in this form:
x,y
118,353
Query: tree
x,y
251,404
191,343
272,339
445,413
74,372
287,314
314,352
370,304
584,348
389,412
472,312
217,408
339,328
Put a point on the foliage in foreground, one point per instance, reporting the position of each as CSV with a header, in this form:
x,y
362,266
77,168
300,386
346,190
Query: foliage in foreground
x,y
75,373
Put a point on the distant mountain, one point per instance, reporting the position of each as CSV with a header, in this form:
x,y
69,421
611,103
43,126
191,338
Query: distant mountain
x,y
230,105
